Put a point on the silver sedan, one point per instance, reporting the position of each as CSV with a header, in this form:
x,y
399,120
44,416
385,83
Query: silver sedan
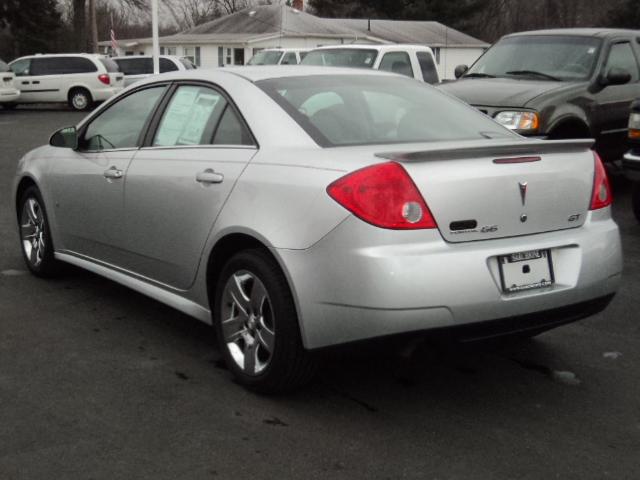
x,y
295,208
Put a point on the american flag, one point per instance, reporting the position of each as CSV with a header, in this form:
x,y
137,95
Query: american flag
x,y
114,42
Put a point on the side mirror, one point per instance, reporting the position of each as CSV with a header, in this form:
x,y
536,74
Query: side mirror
x,y
460,70
615,76
65,138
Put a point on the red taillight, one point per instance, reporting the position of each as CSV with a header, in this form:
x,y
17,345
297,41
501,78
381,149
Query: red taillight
x,y
602,195
383,195
104,78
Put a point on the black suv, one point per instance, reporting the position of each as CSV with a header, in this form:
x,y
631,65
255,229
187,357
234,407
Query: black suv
x,y
564,83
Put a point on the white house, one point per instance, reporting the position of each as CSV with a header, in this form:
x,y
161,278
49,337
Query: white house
x,y
235,38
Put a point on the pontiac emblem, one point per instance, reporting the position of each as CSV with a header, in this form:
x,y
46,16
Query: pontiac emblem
x,y
523,192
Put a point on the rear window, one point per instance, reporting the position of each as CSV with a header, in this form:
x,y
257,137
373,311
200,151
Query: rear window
x,y
367,110
4,67
342,57
110,65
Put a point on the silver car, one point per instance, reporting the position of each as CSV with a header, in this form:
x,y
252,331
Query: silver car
x,y
295,208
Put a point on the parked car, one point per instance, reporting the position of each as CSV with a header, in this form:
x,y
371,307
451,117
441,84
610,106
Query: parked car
x,y
565,83
8,92
139,67
368,205
278,56
77,79
631,161
410,60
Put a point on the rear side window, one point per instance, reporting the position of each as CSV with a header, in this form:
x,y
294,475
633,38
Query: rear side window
x,y
397,62
621,56
191,117
231,131
428,67
4,67
136,66
62,66
110,65
121,124
167,65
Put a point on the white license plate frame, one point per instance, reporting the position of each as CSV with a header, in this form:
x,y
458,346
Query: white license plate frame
x,y
526,271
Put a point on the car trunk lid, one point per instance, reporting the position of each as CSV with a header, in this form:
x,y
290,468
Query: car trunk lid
x,y
480,191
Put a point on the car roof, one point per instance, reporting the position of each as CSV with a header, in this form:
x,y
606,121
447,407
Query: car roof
x,y
129,57
380,48
267,72
581,32
278,49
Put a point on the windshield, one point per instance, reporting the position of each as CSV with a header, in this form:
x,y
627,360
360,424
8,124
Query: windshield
x,y
367,110
545,57
266,57
342,57
4,67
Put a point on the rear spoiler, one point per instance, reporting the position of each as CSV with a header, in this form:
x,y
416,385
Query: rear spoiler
x,y
450,151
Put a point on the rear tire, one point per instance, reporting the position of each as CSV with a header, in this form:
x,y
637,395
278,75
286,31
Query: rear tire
x,y
257,325
35,235
80,99
635,200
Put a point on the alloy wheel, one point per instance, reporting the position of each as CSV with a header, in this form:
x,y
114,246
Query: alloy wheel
x,y
248,322
33,231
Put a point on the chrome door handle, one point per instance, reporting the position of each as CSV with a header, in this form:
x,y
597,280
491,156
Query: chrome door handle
x,y
113,173
209,176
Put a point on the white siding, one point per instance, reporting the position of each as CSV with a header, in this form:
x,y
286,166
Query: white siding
x,y
451,57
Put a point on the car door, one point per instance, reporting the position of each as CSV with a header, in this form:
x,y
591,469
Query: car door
x,y
88,184
178,183
614,101
22,69
45,83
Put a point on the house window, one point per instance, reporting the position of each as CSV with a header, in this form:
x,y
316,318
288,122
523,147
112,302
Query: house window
x,y
192,54
171,51
221,56
436,54
229,59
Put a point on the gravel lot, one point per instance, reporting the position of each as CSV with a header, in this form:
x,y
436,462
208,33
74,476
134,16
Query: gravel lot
x,y
98,382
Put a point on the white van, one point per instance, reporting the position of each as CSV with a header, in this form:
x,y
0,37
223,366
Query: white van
x,y
139,67
278,56
413,61
78,79
8,92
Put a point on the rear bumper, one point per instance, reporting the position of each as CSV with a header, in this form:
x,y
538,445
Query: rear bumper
x,y
102,94
363,282
9,96
631,165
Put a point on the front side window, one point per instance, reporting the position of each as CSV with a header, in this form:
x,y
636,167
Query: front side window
x,y
368,110
397,62
342,57
190,118
428,67
290,59
121,124
21,68
621,56
135,66
539,57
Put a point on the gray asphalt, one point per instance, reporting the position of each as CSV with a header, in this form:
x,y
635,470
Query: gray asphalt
x,y
98,382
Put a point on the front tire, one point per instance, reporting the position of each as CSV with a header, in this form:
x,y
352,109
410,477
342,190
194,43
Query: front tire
x,y
9,106
257,325
80,99
35,235
635,200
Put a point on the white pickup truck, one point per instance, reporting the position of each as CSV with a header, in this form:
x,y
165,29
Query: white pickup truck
x,y
411,60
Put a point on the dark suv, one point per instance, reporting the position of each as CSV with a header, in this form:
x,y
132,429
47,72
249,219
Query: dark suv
x,y
565,83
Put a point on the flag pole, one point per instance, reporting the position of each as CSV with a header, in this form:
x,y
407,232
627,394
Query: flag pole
x,y
156,35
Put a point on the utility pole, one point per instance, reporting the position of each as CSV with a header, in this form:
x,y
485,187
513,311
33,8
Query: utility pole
x,y
156,37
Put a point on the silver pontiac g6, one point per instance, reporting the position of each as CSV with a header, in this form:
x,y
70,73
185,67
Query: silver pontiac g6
x,y
296,208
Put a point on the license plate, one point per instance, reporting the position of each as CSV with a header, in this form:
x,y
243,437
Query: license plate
x,y
524,271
